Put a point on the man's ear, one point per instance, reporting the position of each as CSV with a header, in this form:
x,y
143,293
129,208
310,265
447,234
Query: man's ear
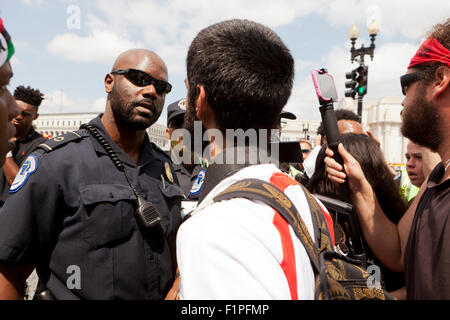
x,y
109,83
36,116
441,82
201,107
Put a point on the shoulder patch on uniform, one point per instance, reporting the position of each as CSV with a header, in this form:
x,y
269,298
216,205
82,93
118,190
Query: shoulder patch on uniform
x,y
60,141
198,184
28,168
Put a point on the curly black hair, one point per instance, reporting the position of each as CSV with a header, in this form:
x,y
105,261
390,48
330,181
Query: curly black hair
x,y
247,72
29,95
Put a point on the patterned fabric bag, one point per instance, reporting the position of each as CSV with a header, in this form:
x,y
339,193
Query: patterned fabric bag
x,y
337,277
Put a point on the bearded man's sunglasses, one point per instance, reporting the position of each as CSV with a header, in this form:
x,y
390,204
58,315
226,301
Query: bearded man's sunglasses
x,y
408,79
142,79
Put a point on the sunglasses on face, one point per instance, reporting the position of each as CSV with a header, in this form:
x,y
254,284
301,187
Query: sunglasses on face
x,y
305,150
142,79
408,79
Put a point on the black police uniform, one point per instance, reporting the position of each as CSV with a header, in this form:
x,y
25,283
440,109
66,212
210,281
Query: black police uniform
x,y
186,176
77,209
21,151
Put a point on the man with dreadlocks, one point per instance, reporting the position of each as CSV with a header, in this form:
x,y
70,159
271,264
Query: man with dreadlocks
x,y
26,138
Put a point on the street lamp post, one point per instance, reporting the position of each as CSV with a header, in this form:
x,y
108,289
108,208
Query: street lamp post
x,y
358,76
306,130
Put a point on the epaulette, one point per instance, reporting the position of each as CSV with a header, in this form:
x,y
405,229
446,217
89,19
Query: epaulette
x,y
59,141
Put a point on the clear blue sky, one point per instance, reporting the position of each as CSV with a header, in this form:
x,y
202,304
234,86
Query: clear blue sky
x,y
65,48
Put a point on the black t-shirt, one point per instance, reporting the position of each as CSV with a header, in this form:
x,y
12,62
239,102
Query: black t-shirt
x,y
23,149
427,253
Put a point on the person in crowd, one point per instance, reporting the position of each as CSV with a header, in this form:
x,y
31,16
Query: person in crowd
x,y
306,146
296,170
96,211
26,138
410,177
348,122
187,173
240,76
414,166
419,243
367,152
8,106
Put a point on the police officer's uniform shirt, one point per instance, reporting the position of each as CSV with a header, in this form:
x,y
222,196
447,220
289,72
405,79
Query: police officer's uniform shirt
x,y
22,150
77,211
186,178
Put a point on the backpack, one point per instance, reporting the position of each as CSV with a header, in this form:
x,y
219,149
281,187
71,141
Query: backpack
x,y
337,277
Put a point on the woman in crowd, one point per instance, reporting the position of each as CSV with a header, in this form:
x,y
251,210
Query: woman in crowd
x,y
378,174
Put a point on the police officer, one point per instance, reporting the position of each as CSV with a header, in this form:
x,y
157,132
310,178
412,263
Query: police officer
x,y
26,138
190,174
73,208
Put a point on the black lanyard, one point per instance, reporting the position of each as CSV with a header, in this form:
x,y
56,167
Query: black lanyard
x,y
146,213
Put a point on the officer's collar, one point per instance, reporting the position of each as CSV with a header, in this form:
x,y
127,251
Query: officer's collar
x,y
146,153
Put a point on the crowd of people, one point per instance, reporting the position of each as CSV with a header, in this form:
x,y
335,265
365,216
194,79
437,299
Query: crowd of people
x,y
103,213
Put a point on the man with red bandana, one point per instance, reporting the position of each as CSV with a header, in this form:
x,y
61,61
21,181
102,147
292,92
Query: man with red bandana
x,y
420,243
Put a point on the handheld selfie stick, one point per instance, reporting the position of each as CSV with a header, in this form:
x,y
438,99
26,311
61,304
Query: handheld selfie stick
x,y
326,99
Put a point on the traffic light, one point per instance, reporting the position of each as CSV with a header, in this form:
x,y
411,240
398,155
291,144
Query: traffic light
x,y
361,80
357,83
351,84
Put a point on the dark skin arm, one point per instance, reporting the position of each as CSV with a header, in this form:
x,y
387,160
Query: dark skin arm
x,y
10,169
12,282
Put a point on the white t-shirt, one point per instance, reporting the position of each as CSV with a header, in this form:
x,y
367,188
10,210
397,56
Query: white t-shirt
x,y
241,249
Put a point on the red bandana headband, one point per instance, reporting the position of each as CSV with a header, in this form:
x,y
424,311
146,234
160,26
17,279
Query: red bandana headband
x,y
431,51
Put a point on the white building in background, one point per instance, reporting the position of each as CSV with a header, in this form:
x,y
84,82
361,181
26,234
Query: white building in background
x,y
294,130
383,119
55,124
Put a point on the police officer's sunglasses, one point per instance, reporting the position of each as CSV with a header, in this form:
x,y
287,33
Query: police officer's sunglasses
x,y
408,79
142,79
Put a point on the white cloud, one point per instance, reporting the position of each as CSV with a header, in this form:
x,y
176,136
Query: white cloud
x,y
99,104
166,27
408,18
99,46
390,62
16,62
58,101
33,2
